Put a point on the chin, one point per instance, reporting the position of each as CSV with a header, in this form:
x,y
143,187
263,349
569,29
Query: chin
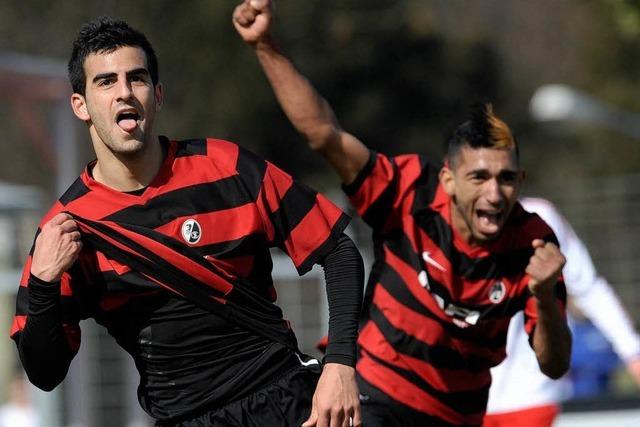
x,y
487,238
129,147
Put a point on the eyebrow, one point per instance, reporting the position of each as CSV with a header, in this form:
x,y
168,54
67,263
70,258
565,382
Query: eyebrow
x,y
484,171
477,172
137,71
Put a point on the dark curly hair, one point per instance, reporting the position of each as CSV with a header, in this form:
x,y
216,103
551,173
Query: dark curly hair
x,y
104,35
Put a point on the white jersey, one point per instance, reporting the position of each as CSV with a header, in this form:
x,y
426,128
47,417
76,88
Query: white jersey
x,y
14,415
517,381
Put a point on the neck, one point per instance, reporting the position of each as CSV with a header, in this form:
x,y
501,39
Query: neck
x,y
459,225
129,171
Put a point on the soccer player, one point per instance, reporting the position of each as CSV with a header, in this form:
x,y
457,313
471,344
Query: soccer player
x,y
166,244
456,255
520,395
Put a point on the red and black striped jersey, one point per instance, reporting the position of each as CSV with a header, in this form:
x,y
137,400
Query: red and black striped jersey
x,y
211,195
437,309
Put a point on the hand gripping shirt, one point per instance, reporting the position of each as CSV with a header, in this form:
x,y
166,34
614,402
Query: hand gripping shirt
x,y
437,309
228,205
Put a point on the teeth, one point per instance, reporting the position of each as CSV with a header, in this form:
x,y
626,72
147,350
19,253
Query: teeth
x,y
488,215
129,114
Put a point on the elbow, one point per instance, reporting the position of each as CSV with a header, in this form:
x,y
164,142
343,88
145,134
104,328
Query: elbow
x,y
44,373
321,137
44,384
558,364
555,371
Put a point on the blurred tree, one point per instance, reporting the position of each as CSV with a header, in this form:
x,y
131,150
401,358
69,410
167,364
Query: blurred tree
x,y
627,16
393,83
397,72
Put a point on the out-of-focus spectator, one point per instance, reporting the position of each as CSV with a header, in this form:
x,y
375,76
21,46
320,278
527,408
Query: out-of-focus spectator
x,y
593,360
18,411
520,394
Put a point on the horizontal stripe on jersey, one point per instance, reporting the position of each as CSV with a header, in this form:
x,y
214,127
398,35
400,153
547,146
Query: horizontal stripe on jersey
x,y
437,309
239,205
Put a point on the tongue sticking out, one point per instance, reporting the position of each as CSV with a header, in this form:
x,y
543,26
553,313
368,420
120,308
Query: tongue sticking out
x,y
128,125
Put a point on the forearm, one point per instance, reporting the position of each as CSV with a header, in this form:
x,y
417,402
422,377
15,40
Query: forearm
x,y
344,275
310,113
335,401
43,348
551,338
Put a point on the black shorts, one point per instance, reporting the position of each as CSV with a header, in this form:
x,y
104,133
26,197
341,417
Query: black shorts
x,y
285,402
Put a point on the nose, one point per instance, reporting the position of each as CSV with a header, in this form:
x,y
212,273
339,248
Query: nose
x,y
124,91
492,192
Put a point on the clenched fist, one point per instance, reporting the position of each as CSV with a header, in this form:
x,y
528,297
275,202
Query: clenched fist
x,y
56,249
544,268
252,19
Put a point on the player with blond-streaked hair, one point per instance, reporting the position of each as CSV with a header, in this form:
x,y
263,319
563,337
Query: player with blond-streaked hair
x,y
455,254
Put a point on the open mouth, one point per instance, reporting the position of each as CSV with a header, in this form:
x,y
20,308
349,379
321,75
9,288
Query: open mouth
x,y
489,222
128,120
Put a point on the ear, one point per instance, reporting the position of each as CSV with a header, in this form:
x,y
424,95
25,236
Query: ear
x,y
79,107
447,180
159,95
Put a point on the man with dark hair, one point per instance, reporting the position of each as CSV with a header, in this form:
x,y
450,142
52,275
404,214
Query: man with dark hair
x,y
455,255
166,244
106,35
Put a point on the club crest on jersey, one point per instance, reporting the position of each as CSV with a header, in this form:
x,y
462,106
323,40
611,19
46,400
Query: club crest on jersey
x,y
497,292
191,231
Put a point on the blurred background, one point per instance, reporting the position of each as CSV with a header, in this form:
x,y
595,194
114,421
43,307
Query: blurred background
x,y
565,75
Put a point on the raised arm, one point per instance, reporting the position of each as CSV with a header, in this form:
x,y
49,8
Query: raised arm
x,y
307,110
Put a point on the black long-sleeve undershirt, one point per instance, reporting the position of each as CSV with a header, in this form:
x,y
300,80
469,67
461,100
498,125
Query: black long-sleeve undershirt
x,y
344,276
43,347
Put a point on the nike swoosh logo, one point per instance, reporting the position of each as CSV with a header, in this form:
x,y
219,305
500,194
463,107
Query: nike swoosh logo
x,y
309,362
432,262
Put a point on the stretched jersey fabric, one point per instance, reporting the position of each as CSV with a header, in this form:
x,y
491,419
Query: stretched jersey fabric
x,y
188,275
436,309
228,207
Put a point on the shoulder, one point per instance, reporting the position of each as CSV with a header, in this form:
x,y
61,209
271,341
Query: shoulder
x,y
224,154
408,167
546,210
418,170
74,194
214,154
213,148
526,226
416,163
